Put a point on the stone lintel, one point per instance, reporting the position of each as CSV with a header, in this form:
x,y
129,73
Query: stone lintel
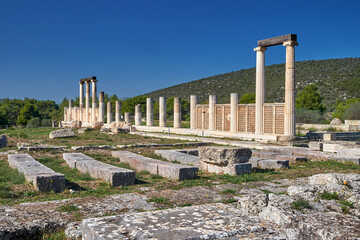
x,y
277,40
89,79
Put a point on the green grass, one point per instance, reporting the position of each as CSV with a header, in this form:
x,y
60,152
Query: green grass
x,y
229,191
67,208
329,195
159,200
230,200
300,204
59,234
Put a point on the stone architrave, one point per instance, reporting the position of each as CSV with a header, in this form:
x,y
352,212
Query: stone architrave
x,y
162,111
109,113
138,115
177,112
233,111
212,103
289,109
101,107
117,112
260,89
193,103
149,112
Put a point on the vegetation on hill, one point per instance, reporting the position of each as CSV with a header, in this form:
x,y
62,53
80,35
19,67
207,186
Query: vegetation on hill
x,y
336,79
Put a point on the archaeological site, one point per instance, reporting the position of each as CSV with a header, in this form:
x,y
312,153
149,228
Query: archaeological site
x,y
176,168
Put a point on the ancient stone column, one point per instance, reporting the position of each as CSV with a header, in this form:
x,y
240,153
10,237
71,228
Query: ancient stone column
x,y
66,114
127,118
109,113
117,112
177,112
75,115
87,101
138,115
193,103
212,103
162,111
81,100
71,106
289,109
260,89
94,99
101,107
149,112
234,100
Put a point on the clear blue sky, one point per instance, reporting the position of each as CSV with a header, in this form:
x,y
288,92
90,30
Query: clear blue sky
x,y
134,46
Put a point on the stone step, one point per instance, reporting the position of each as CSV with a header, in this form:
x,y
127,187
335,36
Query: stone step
x,y
115,175
43,178
174,155
164,169
278,156
268,164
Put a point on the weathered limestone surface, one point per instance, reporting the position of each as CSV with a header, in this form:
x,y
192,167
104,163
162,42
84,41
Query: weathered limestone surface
x,y
115,175
27,147
224,155
3,141
75,124
278,156
62,133
210,221
150,145
81,148
316,146
183,158
268,164
42,177
231,169
164,169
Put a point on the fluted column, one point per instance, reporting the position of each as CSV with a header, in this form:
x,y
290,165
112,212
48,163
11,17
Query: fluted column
x,y
289,109
109,113
87,101
149,112
94,99
177,112
162,111
234,100
81,100
71,106
75,115
117,112
193,103
66,114
127,118
212,103
138,115
260,89
101,107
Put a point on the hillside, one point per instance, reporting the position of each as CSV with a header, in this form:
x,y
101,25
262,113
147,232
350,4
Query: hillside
x,y
336,78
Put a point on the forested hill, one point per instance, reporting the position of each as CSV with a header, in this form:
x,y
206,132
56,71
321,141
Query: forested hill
x,y
336,79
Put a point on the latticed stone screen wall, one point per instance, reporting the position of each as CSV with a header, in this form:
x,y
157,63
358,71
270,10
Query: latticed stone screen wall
x,y
273,117
202,116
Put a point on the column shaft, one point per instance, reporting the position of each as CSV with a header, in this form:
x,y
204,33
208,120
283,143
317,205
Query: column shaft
x,y
81,100
289,109
109,113
177,112
234,100
87,101
127,118
212,103
94,100
138,115
117,112
71,106
193,103
260,89
149,112
162,111
101,107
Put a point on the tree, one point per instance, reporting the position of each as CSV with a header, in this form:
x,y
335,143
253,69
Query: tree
x,y
341,108
247,98
310,99
352,112
26,113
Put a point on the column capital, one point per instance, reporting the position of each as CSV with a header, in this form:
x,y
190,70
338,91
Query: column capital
x,y
260,49
291,43
81,82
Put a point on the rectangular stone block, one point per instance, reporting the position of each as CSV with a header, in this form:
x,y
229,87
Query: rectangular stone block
x,y
224,155
316,146
162,168
278,156
183,158
273,164
329,136
115,175
231,169
43,178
